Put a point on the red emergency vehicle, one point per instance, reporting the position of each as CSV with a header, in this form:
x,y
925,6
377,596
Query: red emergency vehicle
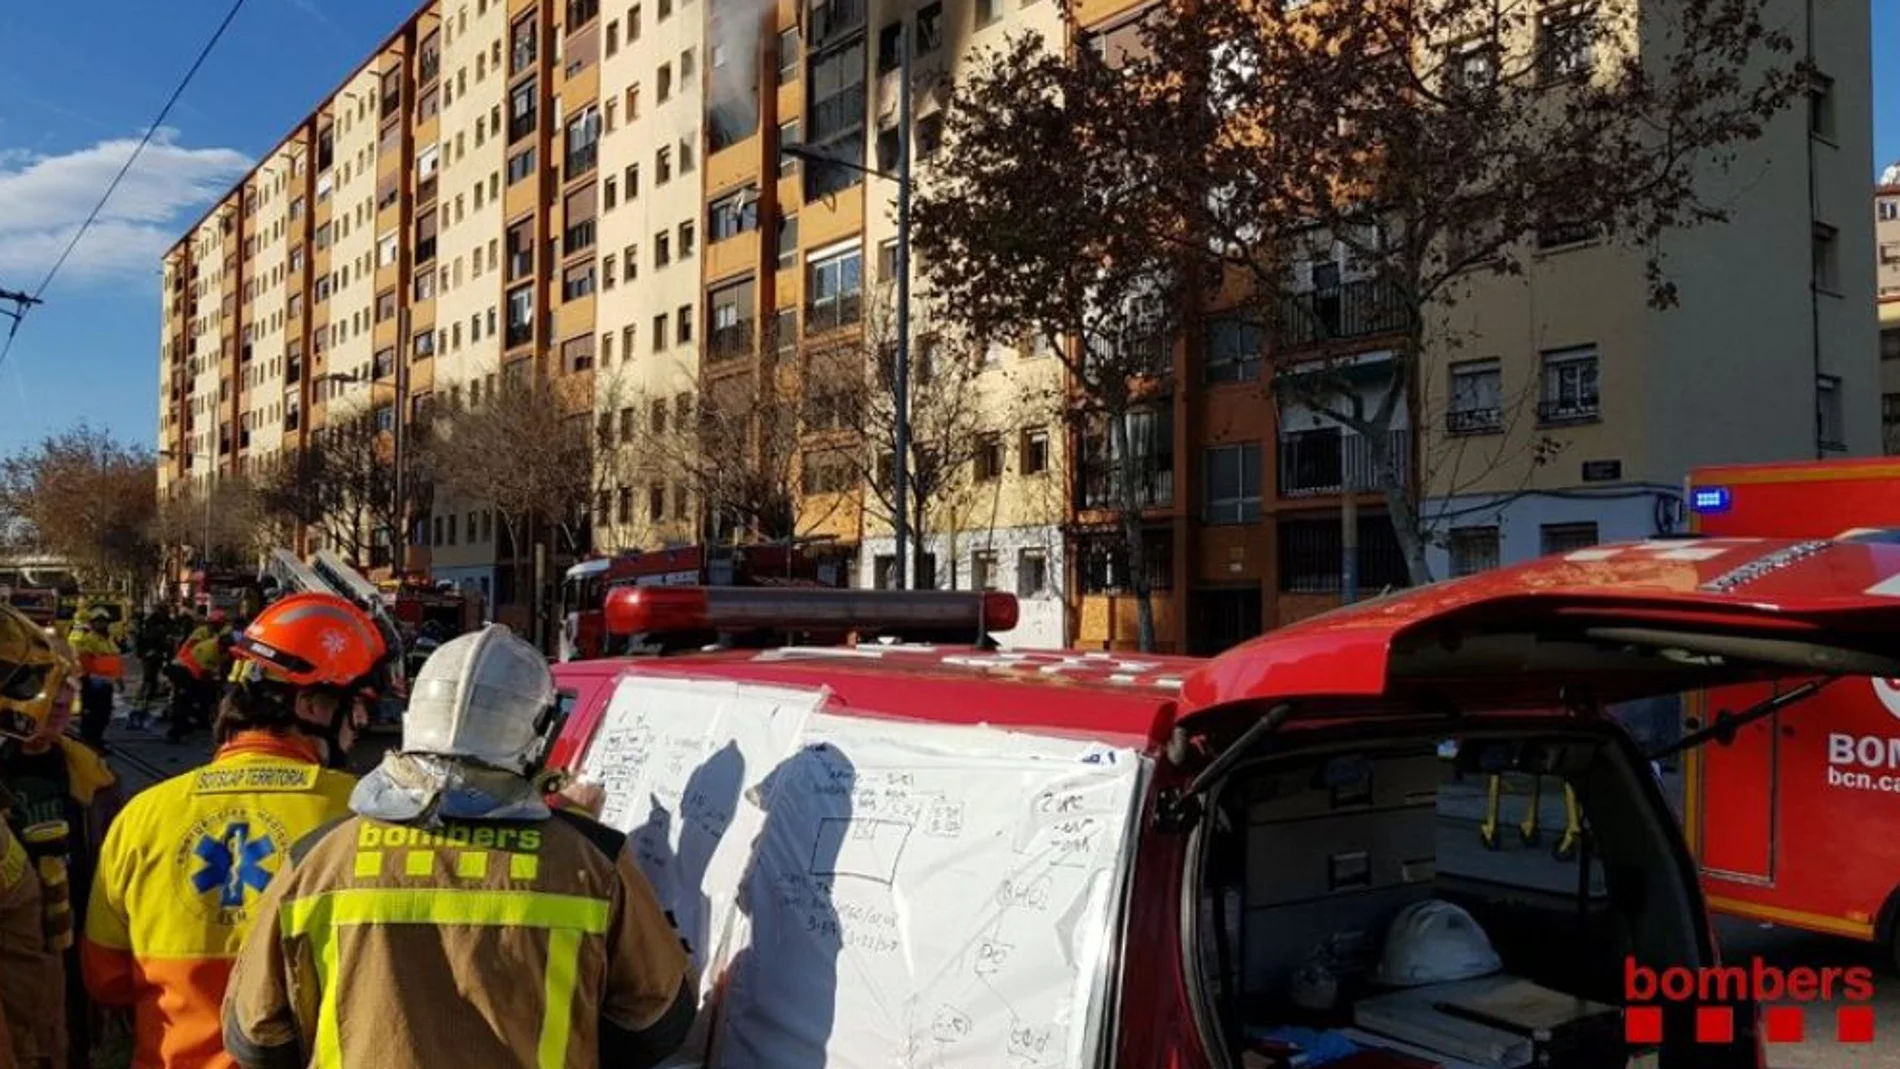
x,y
1306,787
1791,820
585,587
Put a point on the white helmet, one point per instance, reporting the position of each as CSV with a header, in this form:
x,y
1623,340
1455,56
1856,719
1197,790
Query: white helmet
x,y
482,696
1435,942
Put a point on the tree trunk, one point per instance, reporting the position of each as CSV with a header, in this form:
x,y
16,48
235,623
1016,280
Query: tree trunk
x,y
1401,506
1132,534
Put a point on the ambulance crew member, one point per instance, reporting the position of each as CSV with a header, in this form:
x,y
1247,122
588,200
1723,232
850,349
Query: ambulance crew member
x,y
64,795
187,861
102,669
456,918
35,916
195,676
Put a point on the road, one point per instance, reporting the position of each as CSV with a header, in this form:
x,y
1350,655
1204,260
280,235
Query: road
x,y
145,758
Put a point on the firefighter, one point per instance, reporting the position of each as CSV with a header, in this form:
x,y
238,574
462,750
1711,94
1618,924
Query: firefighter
x,y
478,921
102,669
152,642
35,910
58,782
195,674
184,866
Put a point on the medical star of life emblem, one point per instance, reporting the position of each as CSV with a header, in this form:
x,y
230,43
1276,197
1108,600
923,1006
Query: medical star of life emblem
x,y
232,864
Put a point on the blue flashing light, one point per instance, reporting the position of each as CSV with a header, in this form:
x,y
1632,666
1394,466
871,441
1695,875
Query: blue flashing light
x,y
1707,499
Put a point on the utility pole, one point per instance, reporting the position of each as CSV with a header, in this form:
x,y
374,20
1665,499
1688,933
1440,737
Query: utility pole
x,y
900,385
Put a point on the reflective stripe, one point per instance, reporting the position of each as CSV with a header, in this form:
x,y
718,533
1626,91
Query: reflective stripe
x,y
566,919
557,1015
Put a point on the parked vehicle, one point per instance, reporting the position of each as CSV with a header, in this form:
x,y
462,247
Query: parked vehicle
x,y
1778,814
40,604
1087,859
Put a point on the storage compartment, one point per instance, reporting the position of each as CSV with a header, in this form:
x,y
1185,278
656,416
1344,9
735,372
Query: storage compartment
x,y
1308,859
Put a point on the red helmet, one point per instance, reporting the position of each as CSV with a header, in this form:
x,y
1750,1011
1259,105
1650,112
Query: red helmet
x,y
311,640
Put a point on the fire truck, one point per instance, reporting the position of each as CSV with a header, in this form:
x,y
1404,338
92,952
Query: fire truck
x,y
586,585
1790,815
40,604
883,843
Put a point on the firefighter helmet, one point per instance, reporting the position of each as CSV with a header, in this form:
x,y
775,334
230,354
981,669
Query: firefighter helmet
x,y
33,667
485,696
311,640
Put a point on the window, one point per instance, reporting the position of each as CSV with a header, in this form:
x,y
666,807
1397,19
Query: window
x,y
522,39
987,11
1564,47
686,155
788,55
1032,572
787,135
785,330
732,215
523,116
656,415
1474,549
686,65
1566,537
989,457
656,502
659,332
729,321
687,230
834,289
1826,253
583,143
663,166
1234,346
889,40
633,23
1890,252
929,28
665,79
1472,68
1569,391
577,354
630,260
1232,474
1827,416
929,134
613,38
787,242
631,178
1887,210
1476,398
983,570
607,263
662,249
1035,452
520,316
1821,106
577,282
684,330
520,165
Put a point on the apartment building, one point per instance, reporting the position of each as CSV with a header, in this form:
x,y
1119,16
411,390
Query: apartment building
x,y
1887,297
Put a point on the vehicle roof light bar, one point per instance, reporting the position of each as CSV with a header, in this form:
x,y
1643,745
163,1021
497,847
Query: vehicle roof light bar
x,y
636,610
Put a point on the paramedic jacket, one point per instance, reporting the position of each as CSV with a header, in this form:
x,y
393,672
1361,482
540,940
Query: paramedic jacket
x,y
496,944
179,882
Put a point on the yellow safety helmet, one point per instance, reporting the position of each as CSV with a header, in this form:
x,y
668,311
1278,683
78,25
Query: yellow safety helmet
x,y
33,667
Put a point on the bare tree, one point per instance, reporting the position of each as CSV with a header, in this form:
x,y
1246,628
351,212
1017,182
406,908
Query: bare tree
x,y
527,451
89,498
1424,147
237,523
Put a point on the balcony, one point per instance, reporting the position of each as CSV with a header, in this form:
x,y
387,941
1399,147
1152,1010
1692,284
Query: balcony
x,y
1551,413
1464,421
1097,489
520,265
519,334
520,126
581,160
1322,462
833,313
731,342
1352,310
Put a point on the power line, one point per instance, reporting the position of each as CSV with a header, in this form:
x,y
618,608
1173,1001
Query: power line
x,y
146,139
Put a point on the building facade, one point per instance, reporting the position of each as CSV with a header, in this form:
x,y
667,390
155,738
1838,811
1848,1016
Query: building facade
x,y
601,194
1887,298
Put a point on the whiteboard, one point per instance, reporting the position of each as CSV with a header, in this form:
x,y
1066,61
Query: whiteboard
x,y
885,893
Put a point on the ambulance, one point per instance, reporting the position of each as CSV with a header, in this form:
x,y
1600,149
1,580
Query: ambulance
x,y
885,841
1792,818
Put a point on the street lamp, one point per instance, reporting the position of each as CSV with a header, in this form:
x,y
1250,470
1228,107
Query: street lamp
x,y
211,470
900,372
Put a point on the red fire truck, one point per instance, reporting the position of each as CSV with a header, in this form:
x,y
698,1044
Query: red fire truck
x,y
1780,816
938,853
585,587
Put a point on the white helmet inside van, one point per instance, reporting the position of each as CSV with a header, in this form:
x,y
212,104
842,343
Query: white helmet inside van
x,y
1435,942
481,696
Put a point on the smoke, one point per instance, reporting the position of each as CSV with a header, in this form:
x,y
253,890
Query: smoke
x,y
734,105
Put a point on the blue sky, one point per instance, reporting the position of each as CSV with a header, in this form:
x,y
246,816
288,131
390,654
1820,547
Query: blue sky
x,y
73,100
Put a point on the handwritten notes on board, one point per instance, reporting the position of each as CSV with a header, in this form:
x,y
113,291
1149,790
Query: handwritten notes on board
x,y
876,893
